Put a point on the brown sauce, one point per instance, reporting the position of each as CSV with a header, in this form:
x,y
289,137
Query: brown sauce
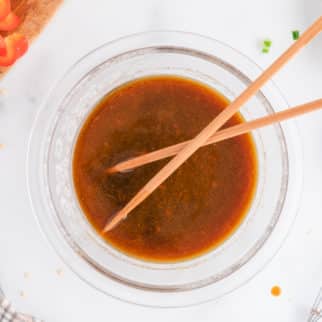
x,y
199,206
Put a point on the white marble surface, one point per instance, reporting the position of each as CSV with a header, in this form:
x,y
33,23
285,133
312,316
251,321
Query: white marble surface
x,y
82,25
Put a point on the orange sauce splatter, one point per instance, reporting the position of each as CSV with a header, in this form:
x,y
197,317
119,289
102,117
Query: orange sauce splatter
x,y
276,291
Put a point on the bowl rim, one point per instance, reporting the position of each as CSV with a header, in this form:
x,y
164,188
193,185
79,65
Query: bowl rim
x,y
38,116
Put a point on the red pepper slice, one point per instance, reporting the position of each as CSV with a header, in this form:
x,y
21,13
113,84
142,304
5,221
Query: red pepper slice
x,y
20,43
10,56
5,8
9,23
16,46
3,49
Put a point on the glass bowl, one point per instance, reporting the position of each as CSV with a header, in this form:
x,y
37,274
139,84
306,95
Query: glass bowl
x,y
56,206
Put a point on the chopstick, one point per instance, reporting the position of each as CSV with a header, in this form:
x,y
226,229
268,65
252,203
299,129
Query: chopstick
x,y
219,136
214,125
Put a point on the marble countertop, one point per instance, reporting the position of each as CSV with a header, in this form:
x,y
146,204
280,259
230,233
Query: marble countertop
x,y
32,275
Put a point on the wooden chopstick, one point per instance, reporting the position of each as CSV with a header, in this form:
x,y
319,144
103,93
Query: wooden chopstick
x,y
214,125
219,136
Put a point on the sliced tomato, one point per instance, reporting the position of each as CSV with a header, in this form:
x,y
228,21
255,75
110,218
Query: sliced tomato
x,y
9,23
16,46
5,8
3,49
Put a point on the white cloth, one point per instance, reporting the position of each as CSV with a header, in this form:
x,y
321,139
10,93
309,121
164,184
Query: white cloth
x,y
316,312
9,314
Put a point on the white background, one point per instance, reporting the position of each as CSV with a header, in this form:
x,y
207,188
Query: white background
x,y
82,25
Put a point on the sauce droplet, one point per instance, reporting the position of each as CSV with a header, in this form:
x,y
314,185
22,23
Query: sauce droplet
x,y
26,275
276,291
59,272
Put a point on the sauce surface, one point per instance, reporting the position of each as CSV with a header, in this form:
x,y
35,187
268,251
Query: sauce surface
x,y
193,211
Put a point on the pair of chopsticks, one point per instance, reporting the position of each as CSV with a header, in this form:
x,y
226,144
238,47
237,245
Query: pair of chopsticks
x,y
207,136
219,136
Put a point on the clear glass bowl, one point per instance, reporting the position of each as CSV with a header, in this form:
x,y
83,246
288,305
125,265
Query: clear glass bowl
x,y
56,206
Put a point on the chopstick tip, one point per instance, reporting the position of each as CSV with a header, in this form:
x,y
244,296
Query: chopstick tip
x,y
111,224
110,170
107,228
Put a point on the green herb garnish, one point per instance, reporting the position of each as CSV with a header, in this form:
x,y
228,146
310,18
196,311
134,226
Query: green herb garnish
x,y
267,43
265,50
295,34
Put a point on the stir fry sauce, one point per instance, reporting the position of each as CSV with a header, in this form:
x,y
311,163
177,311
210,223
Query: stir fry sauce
x,y
199,206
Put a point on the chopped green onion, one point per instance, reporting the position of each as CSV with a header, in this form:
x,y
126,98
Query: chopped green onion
x,y
265,50
295,34
267,43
